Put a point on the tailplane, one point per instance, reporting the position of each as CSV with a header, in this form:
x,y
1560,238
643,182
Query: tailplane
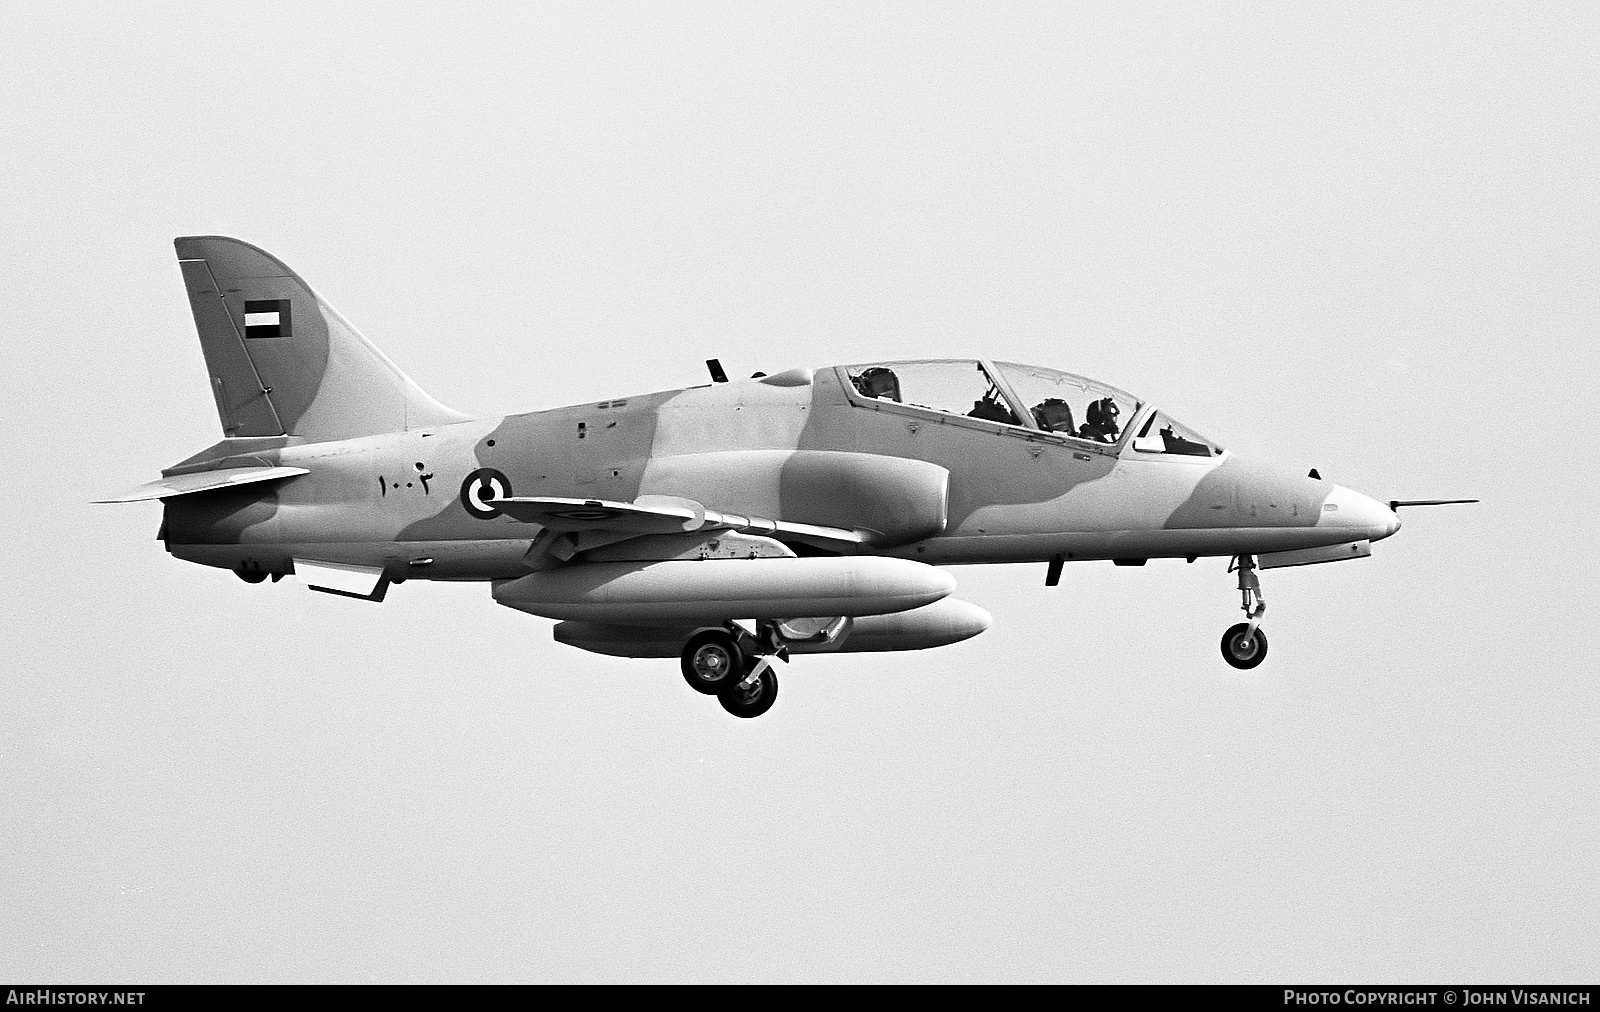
x,y
283,361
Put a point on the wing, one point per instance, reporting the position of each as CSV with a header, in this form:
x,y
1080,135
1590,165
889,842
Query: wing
x,y
203,481
661,515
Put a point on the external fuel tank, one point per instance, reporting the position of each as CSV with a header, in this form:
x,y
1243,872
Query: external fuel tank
x,y
714,591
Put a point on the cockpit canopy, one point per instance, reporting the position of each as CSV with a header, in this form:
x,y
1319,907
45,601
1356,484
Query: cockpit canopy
x,y
1028,397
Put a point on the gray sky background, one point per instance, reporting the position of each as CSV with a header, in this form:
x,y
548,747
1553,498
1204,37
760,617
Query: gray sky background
x,y
1355,237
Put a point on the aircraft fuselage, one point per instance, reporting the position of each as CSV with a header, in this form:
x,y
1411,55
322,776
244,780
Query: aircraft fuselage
x,y
396,501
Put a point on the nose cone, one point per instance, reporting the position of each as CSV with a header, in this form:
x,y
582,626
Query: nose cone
x,y
1364,517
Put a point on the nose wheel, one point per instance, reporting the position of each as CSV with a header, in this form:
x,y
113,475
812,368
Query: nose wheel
x,y
1245,645
1242,648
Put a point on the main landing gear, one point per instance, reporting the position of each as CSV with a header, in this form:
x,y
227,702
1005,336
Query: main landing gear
x,y
734,666
1245,645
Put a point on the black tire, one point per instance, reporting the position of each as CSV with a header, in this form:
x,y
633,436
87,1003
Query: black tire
x,y
712,661
1243,653
752,701
250,575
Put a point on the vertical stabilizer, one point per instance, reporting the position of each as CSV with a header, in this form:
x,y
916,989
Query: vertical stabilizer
x,y
283,361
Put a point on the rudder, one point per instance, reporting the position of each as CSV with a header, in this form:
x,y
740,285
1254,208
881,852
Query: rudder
x,y
283,361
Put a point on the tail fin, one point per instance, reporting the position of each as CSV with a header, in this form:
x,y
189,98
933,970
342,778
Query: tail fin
x,y
282,361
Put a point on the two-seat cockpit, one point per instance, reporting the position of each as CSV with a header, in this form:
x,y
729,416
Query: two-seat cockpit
x,y
1030,398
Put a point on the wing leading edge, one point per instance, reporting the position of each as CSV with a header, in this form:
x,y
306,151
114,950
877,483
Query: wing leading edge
x,y
661,515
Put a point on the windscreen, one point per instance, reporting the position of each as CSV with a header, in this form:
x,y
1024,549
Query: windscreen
x,y
1161,433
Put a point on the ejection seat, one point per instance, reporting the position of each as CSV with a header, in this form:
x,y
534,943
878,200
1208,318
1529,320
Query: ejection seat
x,y
879,381
1054,415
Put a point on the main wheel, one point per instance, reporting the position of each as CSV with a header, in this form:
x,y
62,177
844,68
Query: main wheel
x,y
1241,648
712,661
751,701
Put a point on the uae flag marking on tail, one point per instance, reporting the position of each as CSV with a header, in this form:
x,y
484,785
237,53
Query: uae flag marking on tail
x,y
266,318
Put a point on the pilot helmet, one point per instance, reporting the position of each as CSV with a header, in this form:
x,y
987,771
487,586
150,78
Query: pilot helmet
x,y
1103,415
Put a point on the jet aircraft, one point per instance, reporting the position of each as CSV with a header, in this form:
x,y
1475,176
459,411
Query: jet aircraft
x,y
729,524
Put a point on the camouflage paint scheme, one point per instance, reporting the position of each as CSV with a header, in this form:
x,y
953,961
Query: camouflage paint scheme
x,y
386,468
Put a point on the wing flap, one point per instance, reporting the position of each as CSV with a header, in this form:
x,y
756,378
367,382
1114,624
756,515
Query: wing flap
x,y
560,514
203,481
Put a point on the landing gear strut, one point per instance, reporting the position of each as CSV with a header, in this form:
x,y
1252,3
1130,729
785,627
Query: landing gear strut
x,y
1245,645
735,666
755,693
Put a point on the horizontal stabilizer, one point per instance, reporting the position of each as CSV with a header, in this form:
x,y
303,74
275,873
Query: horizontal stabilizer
x,y
655,515
204,481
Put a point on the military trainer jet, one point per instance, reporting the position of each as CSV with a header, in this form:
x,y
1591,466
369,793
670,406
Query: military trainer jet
x,y
730,524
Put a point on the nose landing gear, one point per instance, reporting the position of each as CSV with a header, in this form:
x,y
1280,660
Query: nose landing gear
x,y
1245,645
